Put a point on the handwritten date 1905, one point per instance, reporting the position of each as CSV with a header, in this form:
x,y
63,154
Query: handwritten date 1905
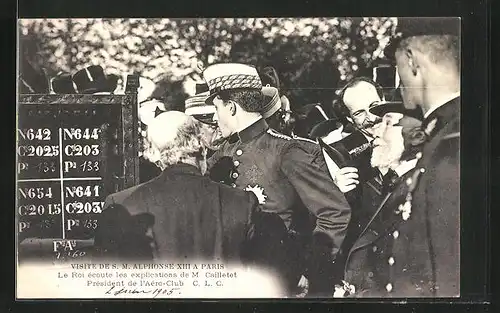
x,y
145,291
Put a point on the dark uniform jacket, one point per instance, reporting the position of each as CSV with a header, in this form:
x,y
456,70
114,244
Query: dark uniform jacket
x,y
179,214
413,248
293,180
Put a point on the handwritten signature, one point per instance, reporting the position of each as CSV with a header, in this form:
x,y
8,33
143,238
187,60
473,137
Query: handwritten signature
x,y
154,292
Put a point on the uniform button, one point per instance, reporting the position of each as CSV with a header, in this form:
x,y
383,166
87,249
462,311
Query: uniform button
x,y
391,261
239,152
395,234
236,163
235,175
370,274
233,185
388,287
374,248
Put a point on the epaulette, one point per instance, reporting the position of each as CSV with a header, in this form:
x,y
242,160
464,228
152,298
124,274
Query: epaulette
x,y
276,134
304,139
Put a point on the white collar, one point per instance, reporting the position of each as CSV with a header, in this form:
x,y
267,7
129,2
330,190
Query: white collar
x,y
405,166
441,103
330,164
333,136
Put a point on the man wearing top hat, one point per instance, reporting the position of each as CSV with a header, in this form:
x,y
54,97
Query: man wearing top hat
x,y
346,143
428,255
370,262
285,176
419,256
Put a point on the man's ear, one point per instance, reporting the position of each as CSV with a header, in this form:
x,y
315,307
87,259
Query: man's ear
x,y
412,61
232,107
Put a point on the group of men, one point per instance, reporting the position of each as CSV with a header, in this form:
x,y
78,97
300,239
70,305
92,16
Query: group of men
x,y
308,209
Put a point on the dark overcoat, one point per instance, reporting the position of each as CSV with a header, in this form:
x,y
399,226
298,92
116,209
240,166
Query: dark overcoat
x,y
178,215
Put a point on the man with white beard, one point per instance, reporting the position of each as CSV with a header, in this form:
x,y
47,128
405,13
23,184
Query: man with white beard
x,y
398,139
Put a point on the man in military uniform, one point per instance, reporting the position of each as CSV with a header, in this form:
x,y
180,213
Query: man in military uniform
x,y
428,254
418,256
283,174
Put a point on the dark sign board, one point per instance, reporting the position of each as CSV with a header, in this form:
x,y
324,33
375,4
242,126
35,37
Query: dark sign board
x,y
72,151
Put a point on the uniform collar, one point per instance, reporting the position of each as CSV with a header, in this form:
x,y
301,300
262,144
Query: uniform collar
x,y
447,99
443,113
405,166
250,132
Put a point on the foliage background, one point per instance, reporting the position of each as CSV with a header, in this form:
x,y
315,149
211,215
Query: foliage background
x,y
313,56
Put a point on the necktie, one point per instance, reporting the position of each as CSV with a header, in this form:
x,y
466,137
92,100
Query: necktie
x,y
389,180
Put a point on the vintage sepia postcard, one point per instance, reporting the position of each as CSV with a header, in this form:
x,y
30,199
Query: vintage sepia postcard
x,y
238,158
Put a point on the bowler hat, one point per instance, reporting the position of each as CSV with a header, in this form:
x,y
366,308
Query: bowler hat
x,y
421,26
92,80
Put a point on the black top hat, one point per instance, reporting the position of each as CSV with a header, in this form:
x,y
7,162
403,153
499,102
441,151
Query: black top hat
x,y
309,116
421,26
384,107
316,113
324,128
354,150
92,79
63,84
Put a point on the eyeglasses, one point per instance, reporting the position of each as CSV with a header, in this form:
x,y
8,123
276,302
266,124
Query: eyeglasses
x,y
363,114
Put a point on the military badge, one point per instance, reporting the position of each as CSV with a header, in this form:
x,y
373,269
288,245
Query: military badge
x,y
345,290
258,192
405,208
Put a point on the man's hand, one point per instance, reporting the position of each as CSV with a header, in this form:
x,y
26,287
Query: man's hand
x,y
346,179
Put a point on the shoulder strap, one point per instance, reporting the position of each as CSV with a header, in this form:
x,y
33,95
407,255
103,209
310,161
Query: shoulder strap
x,y
277,134
304,139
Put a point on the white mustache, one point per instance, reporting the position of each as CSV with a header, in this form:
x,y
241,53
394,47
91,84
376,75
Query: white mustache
x,y
217,137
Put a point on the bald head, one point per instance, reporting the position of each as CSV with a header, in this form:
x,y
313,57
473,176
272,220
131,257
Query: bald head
x,y
175,137
358,97
359,94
